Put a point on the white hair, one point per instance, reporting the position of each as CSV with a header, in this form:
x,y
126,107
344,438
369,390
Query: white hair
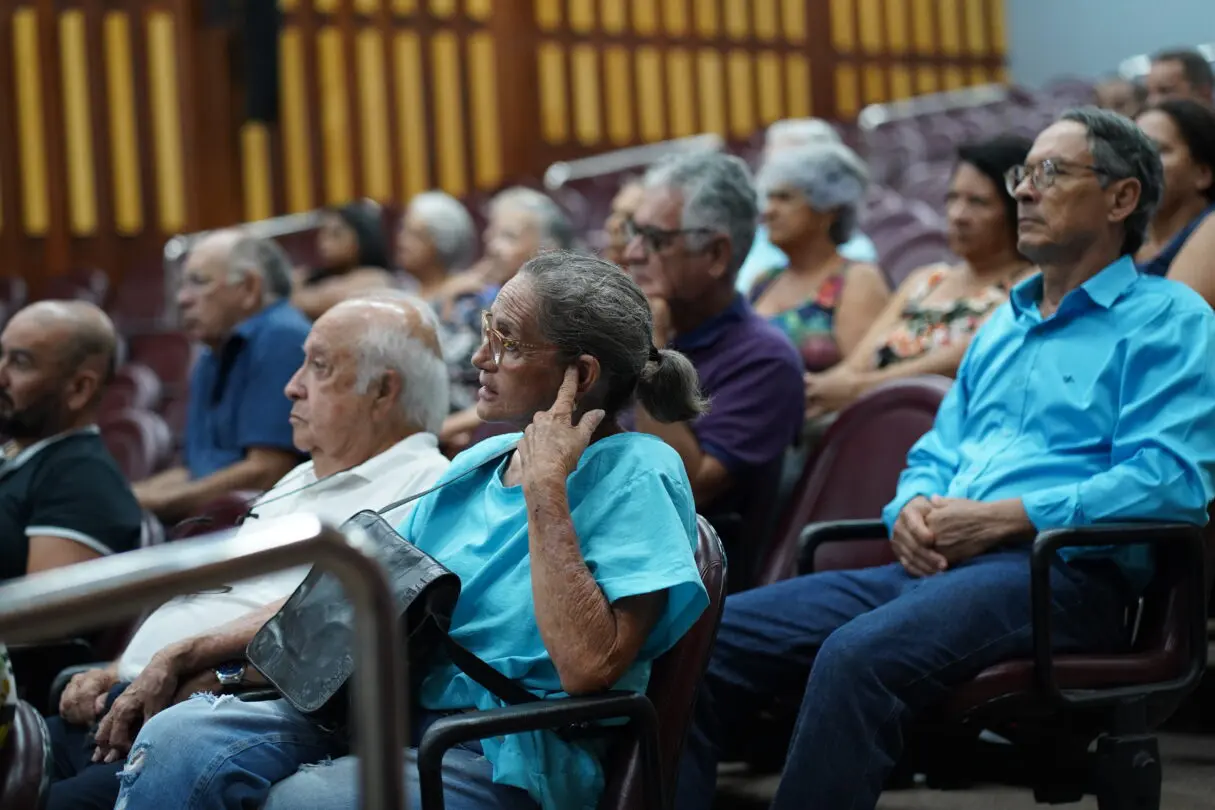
x,y
556,232
799,132
450,227
390,344
829,176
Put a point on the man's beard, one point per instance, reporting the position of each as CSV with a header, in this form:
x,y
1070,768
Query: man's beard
x,y
36,421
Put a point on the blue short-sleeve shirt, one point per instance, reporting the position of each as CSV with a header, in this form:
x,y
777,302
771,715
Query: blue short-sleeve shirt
x,y
635,518
236,394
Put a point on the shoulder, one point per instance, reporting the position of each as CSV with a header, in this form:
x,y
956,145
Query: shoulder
x,y
927,276
1163,310
283,326
631,457
82,459
480,453
866,274
755,340
1156,295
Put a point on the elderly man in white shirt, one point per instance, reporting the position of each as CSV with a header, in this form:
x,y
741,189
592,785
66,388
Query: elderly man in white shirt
x,y
366,404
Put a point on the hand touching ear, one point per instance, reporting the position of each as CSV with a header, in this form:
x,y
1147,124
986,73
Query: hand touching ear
x,y
552,443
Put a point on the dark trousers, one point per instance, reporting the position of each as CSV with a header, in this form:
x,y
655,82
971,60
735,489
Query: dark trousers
x,y
79,783
869,649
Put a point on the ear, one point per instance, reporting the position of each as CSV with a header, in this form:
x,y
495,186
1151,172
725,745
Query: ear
x,y
589,372
82,388
1204,177
1125,197
387,389
720,252
251,290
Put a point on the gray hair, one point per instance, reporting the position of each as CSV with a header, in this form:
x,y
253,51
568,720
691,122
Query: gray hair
x,y
1121,150
450,227
392,344
796,132
250,254
556,231
830,176
718,195
586,305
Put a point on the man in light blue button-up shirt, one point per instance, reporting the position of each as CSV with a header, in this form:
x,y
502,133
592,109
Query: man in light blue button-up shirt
x,y
1088,398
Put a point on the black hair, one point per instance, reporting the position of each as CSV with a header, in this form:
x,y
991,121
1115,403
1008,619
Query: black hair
x,y
364,220
1196,124
1194,66
994,157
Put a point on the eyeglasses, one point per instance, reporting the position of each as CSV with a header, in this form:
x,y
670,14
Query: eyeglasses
x,y
499,343
657,240
1042,175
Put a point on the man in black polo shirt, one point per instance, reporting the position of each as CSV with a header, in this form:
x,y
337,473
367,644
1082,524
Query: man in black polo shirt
x,y
63,499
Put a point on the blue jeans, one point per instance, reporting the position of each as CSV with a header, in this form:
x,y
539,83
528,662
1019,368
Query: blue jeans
x,y
222,753
877,646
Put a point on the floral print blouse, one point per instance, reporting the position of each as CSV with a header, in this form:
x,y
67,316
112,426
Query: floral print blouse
x,y
811,322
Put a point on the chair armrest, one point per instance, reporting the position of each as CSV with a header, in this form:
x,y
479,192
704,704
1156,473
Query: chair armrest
x,y
576,712
65,675
835,531
36,665
1042,556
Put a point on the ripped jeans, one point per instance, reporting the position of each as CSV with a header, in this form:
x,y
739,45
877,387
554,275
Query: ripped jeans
x,y
225,754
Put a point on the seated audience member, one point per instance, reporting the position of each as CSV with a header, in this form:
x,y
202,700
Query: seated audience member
x,y
822,301
1180,74
436,238
353,259
1184,132
795,133
63,499
522,222
624,205
234,300
1121,96
366,403
929,322
689,235
1076,405
575,551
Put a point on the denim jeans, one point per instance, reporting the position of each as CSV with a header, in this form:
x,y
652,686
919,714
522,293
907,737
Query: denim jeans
x,y
877,646
225,754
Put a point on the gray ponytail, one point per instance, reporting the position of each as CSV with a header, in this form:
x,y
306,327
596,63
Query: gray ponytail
x,y
669,388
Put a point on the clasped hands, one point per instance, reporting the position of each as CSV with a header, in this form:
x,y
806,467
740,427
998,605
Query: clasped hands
x,y
932,534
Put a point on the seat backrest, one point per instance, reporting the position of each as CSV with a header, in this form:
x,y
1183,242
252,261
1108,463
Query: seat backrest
x,y
672,690
169,354
140,441
855,470
25,760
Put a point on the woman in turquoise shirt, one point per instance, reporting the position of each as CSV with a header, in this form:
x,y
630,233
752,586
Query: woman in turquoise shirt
x,y
575,551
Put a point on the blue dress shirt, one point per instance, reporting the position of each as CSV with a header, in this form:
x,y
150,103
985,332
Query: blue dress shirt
x,y
1104,412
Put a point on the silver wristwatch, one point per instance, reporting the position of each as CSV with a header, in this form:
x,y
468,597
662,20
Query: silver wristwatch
x,y
231,673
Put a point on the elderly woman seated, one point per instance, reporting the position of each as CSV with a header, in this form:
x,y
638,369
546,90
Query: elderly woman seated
x,y
929,322
823,301
575,551
353,259
435,238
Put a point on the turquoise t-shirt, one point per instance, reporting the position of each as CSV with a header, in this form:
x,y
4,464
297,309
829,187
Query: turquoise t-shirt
x,y
633,511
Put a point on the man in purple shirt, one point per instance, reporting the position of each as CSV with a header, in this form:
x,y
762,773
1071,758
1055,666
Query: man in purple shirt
x,y
687,241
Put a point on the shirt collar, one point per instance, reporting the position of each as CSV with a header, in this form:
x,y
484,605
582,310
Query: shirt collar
x,y
707,333
37,447
251,325
379,465
1104,289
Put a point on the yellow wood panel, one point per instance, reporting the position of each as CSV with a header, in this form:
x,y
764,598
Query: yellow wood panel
x,y
288,5
581,16
78,123
31,129
367,6
869,13
681,93
325,6
995,13
443,9
588,129
335,120
742,93
710,86
411,112
619,95
371,79
873,80
925,34
675,17
954,78
843,26
645,17
648,75
898,35
483,86
449,118
553,112
900,82
798,99
766,25
1001,76
294,99
479,10
255,171
548,14
793,20
707,22
401,6
164,100
976,27
124,138
847,101
927,80
978,75
612,16
737,24
950,23
771,88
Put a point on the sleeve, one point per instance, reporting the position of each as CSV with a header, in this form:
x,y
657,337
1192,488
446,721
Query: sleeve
x,y
933,460
263,418
755,413
1163,448
639,539
84,500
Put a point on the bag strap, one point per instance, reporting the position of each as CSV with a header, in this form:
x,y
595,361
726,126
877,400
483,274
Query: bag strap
x,y
410,499
473,666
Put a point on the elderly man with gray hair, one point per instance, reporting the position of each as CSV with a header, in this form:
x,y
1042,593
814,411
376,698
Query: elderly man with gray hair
x,y
234,300
781,137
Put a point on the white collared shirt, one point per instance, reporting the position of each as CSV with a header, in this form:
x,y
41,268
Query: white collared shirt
x,y
408,467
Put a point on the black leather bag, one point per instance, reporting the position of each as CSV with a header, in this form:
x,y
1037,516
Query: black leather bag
x,y
305,650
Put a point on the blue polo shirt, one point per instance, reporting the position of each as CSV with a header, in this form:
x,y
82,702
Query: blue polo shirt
x,y
236,394
1101,413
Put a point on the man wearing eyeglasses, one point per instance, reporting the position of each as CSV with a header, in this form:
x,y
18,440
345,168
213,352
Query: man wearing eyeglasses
x,y
1089,398
687,240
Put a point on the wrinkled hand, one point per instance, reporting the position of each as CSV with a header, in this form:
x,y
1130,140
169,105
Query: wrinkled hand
x,y
84,697
913,540
830,392
660,311
552,443
964,529
149,694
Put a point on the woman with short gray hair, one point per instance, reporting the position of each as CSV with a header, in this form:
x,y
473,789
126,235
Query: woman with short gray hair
x,y
435,238
821,300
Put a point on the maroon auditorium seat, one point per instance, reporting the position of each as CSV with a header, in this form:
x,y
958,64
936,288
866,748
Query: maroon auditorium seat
x,y
169,354
919,249
138,440
25,760
135,386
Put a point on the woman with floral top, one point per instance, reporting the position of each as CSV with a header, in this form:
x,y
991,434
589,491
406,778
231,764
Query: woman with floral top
x,y
929,322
